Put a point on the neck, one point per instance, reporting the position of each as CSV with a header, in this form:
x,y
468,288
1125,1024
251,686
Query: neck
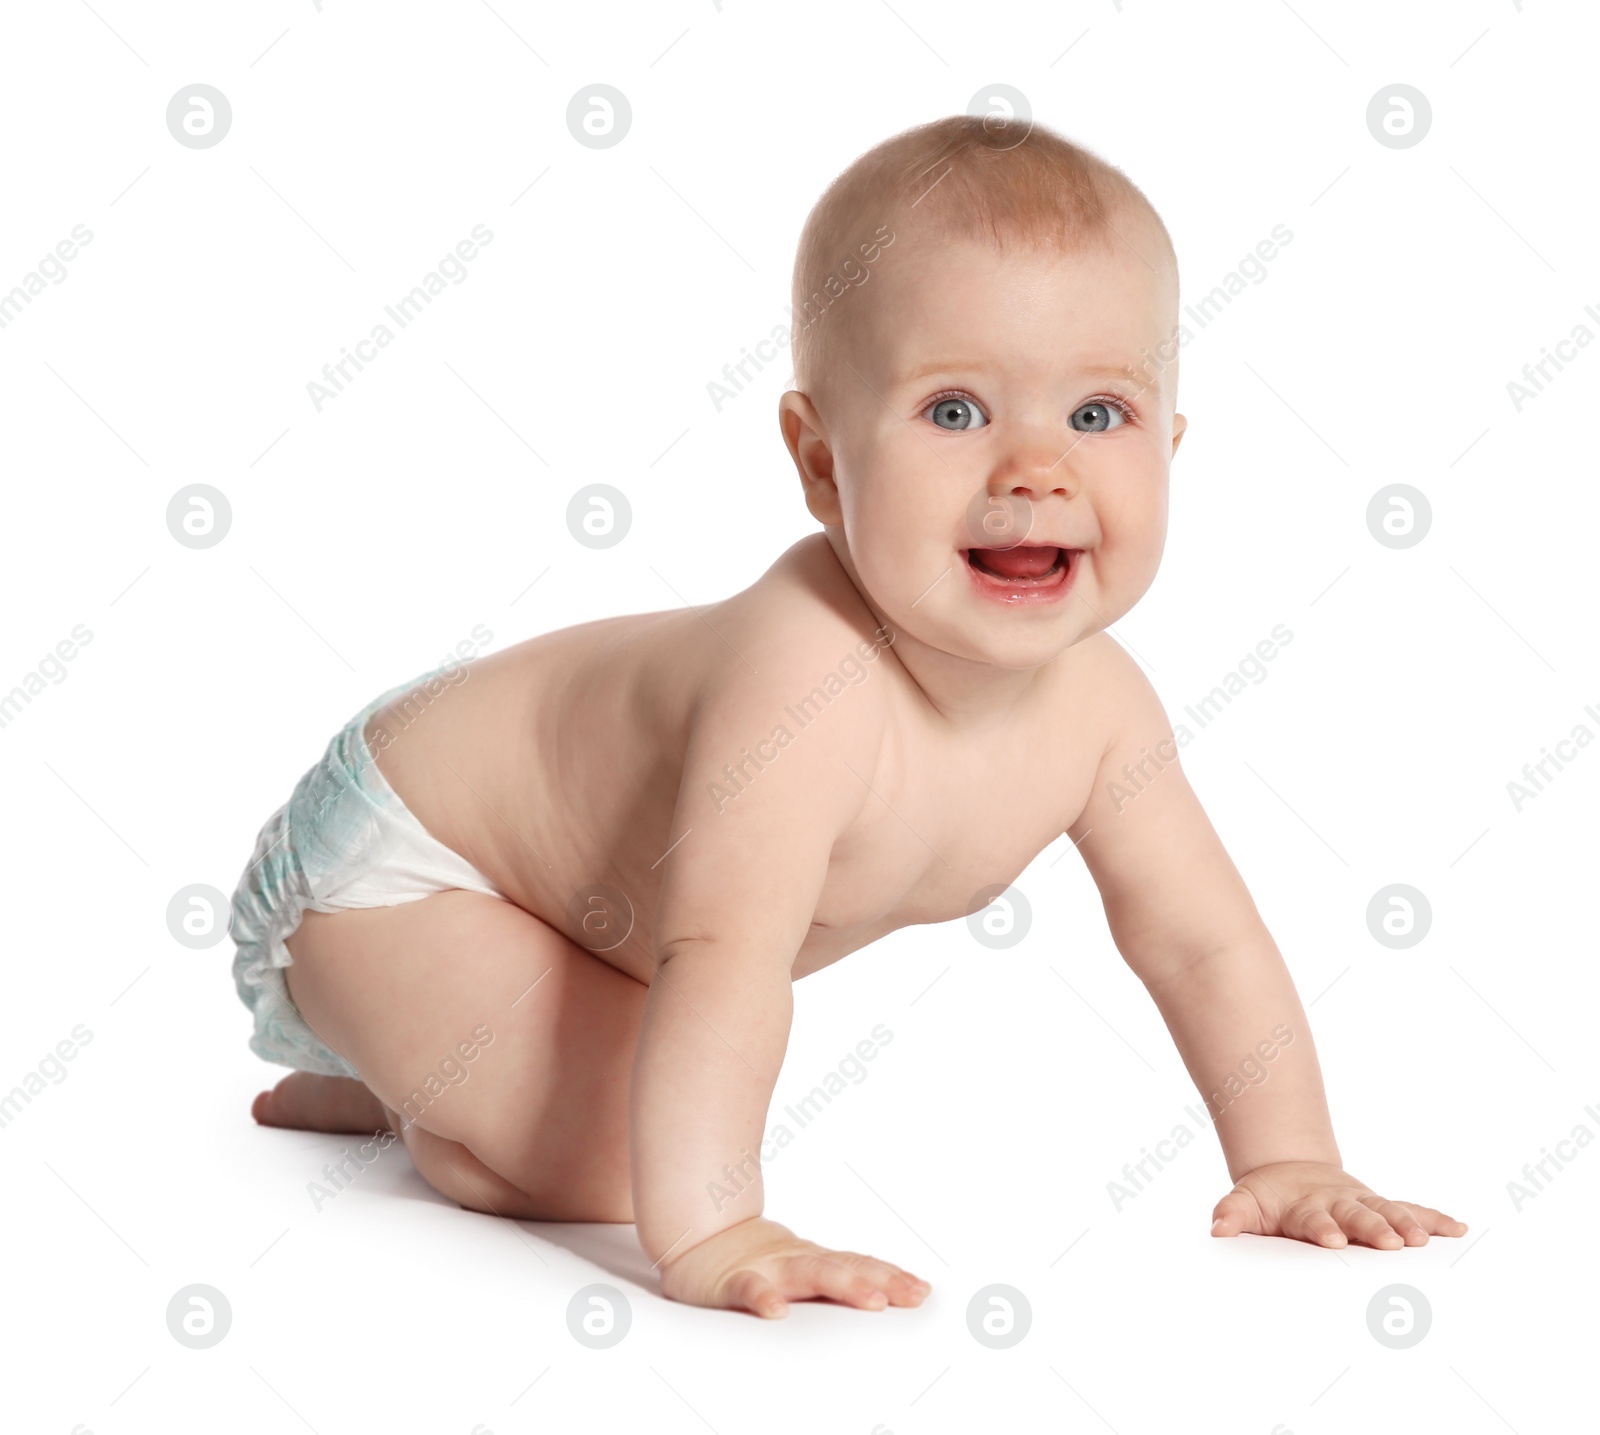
x,y
964,692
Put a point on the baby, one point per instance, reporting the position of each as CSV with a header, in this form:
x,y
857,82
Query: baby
x,y
541,915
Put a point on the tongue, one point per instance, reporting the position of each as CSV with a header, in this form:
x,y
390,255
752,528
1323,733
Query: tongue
x,y
1019,562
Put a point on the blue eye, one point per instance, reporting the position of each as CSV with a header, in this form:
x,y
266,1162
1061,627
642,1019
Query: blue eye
x,y
955,414
1097,418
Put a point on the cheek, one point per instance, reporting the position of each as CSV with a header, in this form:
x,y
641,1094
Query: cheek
x,y
1133,528
882,533
889,502
1132,505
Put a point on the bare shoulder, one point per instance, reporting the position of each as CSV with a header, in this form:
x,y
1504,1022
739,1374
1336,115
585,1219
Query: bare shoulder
x,y
806,586
801,620
1124,702
1124,729
791,700
797,672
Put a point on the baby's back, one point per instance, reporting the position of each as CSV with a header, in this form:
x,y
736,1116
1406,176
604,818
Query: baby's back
x,y
558,767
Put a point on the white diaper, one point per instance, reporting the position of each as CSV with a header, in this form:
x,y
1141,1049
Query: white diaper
x,y
343,840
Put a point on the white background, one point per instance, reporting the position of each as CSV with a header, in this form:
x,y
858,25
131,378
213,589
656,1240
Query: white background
x,y
369,538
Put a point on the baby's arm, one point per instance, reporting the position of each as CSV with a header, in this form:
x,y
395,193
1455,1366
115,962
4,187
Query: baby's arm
x,y
738,897
1183,920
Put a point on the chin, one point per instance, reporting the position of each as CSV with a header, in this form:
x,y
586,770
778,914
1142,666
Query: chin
x,y
1018,650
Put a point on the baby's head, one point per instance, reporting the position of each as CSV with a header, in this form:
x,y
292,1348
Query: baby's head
x,y
985,351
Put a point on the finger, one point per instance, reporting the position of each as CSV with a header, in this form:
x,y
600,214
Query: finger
x,y
900,1286
1307,1221
1363,1224
837,1279
1235,1214
1436,1223
750,1290
1401,1217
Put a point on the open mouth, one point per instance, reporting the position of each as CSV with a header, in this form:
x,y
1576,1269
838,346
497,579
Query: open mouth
x,y
1029,573
1025,567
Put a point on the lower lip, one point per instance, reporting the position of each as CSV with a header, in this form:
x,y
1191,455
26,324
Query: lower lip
x,y
1050,589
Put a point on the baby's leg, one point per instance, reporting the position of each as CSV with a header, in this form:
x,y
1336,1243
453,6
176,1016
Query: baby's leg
x,y
535,1125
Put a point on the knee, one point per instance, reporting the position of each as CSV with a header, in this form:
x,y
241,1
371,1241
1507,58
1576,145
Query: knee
x,y
453,1171
546,1181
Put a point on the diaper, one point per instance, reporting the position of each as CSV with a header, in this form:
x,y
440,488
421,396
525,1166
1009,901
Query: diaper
x,y
344,839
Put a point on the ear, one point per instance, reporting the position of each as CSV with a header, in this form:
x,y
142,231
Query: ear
x,y
1179,425
807,442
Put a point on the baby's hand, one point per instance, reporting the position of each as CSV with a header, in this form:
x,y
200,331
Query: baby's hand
x,y
1306,1201
759,1265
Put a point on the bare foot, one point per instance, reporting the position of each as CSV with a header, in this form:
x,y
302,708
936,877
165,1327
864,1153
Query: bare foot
x,y
304,1101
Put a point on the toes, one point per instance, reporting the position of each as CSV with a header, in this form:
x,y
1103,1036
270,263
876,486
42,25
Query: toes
x,y
304,1101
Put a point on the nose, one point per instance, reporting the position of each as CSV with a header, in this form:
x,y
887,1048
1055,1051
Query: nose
x,y
1031,477
1035,471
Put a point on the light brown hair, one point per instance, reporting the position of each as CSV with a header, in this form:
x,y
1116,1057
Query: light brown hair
x,y
964,176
